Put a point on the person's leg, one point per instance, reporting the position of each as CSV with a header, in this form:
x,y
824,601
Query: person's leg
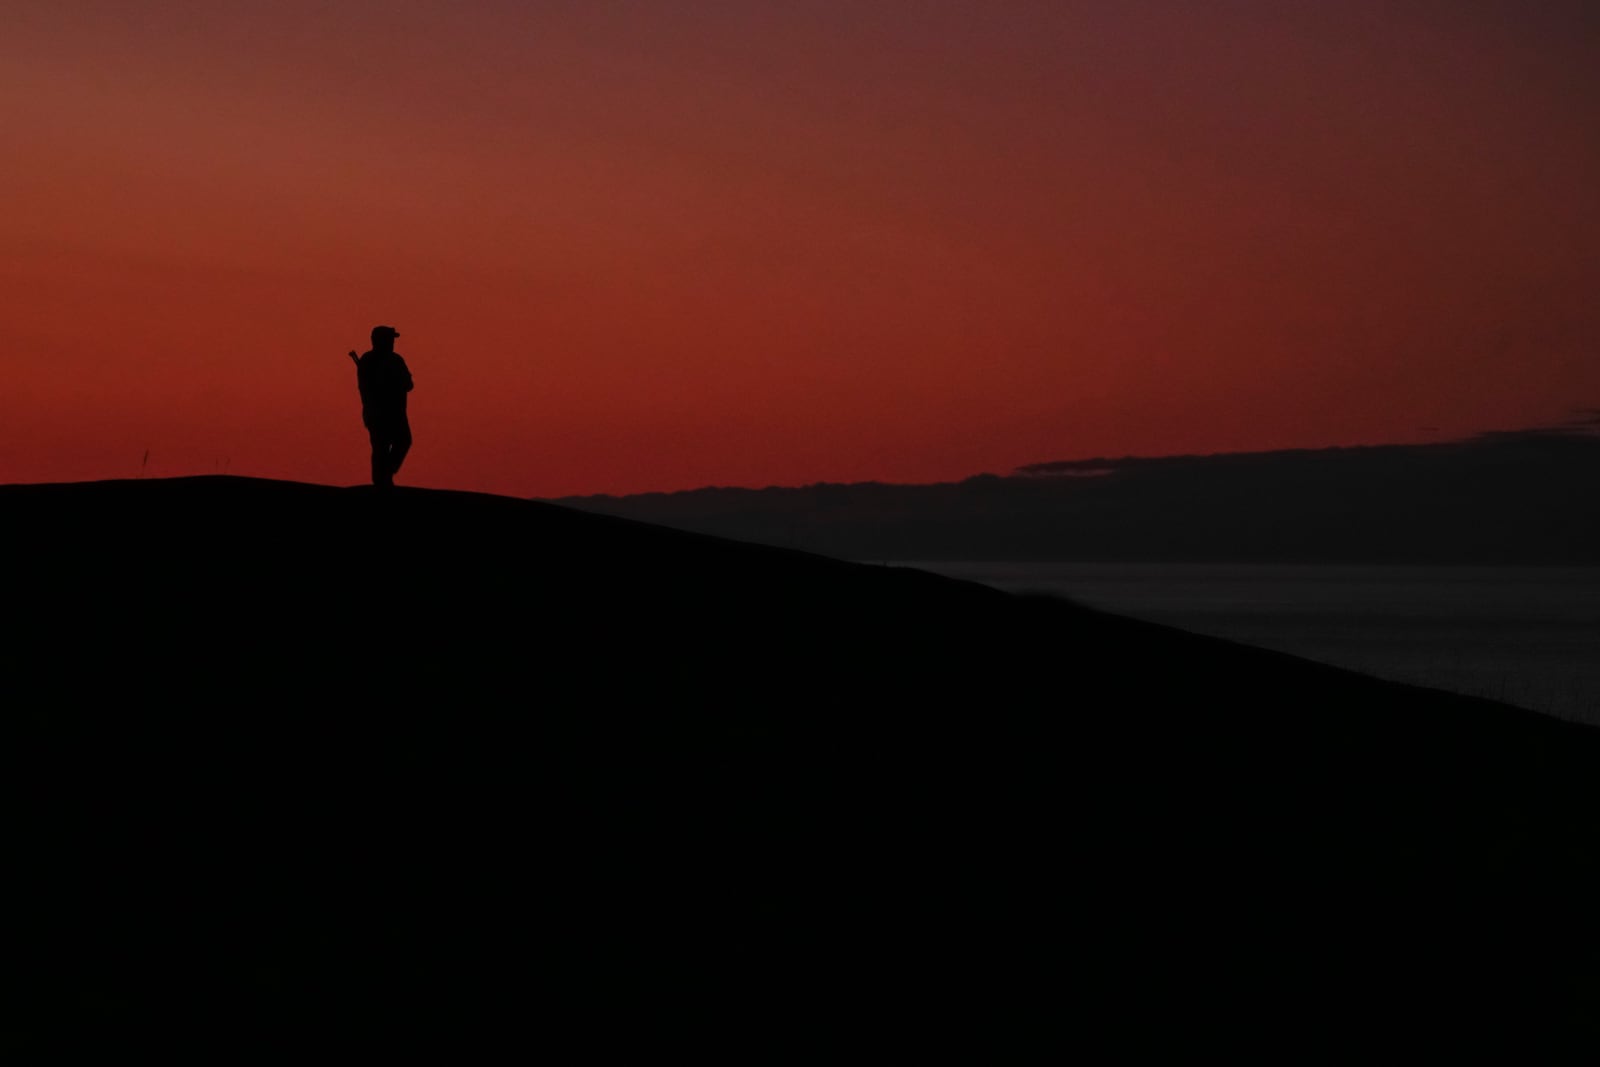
x,y
399,445
380,456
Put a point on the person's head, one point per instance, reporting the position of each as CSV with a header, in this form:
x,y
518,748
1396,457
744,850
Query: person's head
x,y
383,338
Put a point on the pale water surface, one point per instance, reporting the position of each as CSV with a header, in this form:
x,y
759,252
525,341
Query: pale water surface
x,y
1526,635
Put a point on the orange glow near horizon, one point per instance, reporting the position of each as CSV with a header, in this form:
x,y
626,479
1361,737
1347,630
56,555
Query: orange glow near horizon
x,y
654,246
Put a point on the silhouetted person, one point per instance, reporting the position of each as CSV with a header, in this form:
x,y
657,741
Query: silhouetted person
x,y
384,381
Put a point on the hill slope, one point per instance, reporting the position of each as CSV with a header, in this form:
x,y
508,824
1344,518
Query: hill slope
x,y
437,760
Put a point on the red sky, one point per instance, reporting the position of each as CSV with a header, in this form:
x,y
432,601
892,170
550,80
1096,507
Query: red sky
x,y
657,245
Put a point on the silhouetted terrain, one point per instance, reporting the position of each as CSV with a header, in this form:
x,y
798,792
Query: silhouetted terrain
x,y
451,765
1523,497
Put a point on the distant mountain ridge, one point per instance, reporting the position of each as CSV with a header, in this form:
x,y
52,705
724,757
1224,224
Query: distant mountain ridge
x,y
1526,497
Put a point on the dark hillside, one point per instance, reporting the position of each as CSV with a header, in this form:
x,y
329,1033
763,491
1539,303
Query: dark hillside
x,y
443,764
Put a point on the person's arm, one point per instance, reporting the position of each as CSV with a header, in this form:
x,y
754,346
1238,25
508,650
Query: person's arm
x,y
405,373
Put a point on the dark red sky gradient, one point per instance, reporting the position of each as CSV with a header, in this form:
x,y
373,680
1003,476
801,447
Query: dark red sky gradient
x,y
650,245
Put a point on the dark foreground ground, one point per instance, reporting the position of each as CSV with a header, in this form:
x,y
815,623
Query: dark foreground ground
x,y
441,766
